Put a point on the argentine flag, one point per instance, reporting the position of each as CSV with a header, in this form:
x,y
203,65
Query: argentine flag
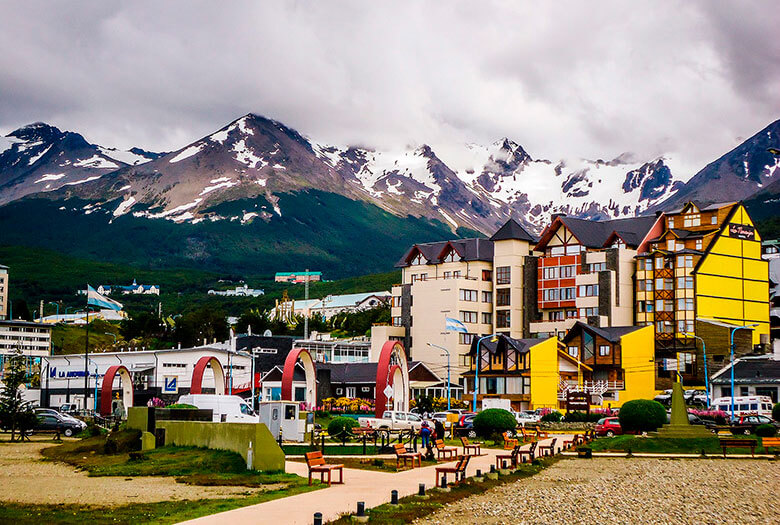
x,y
94,298
453,325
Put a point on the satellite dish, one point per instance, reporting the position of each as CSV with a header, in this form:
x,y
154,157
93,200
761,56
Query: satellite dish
x,y
267,333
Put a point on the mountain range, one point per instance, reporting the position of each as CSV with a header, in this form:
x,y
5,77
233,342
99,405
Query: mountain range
x,y
257,188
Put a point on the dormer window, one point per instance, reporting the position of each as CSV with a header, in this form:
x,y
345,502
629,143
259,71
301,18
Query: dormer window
x,y
671,222
418,259
691,220
450,257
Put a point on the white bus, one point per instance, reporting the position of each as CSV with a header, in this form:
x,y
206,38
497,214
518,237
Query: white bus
x,y
745,405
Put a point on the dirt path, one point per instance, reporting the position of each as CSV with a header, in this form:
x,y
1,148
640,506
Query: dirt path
x,y
27,478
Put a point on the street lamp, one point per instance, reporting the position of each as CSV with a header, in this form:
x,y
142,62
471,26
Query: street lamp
x,y
746,327
58,309
114,335
447,353
706,376
476,371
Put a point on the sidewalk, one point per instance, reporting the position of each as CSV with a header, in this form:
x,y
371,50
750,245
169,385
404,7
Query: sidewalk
x,y
371,487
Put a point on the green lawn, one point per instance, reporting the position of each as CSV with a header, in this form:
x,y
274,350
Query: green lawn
x,y
663,445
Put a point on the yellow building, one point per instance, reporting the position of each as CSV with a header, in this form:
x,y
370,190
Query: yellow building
x,y
704,265
3,292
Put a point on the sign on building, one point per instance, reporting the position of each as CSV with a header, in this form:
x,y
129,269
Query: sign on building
x,y
577,401
742,231
670,364
170,385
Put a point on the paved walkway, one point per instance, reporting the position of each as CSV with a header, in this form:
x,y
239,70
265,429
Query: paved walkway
x,y
369,486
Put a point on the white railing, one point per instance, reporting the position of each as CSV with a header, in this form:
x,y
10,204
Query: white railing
x,y
589,387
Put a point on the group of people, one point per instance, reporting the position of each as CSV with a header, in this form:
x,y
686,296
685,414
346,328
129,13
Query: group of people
x,y
428,434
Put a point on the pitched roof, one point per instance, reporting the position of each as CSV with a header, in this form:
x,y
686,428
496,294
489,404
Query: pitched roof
x,y
700,206
502,343
610,333
354,372
475,249
512,230
595,234
751,369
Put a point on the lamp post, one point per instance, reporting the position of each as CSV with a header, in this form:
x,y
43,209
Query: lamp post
x,y
447,353
58,309
746,327
476,371
113,335
706,376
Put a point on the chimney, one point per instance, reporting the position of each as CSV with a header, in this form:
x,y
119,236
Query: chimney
x,y
556,215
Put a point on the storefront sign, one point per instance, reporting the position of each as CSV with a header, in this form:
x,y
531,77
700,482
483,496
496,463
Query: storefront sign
x,y
170,385
577,401
742,231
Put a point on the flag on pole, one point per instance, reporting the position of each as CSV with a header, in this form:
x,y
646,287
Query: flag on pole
x,y
453,325
96,299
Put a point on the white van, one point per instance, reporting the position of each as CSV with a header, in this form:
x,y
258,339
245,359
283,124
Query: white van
x,y
745,405
227,409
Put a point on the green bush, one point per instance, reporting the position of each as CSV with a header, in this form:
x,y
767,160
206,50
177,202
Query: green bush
x,y
493,421
341,424
181,405
642,415
776,412
766,431
552,417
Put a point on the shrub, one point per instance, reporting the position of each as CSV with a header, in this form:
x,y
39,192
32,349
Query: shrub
x,y
181,405
642,415
765,431
552,417
776,412
341,424
493,421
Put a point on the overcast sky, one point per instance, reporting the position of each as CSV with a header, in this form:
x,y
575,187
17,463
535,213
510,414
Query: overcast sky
x,y
590,79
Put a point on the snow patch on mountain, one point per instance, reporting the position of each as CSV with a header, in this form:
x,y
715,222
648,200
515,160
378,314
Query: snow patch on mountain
x,y
187,153
246,156
49,176
126,157
96,161
124,206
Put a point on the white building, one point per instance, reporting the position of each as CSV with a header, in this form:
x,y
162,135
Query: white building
x,y
239,291
332,305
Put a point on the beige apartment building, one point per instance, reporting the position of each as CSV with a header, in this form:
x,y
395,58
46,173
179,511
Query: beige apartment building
x,y
3,292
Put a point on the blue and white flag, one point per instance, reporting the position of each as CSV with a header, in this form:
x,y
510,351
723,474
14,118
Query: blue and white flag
x,y
453,325
94,298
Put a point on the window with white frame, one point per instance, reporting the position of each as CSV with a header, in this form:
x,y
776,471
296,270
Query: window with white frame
x,y
551,272
573,351
573,249
671,222
691,220
588,290
469,295
685,304
487,297
551,294
487,318
685,283
567,271
685,326
685,261
568,294
503,275
603,350
699,244
557,250
468,316
465,339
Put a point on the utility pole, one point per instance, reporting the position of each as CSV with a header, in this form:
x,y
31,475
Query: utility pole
x,y
86,358
447,353
306,297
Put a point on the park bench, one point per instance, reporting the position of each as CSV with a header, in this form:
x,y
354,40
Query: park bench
x,y
527,436
738,443
316,463
540,434
547,448
509,443
459,469
402,454
467,447
531,452
573,442
443,450
512,457
768,442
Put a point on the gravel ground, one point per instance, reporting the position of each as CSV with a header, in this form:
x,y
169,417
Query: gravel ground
x,y
606,490
26,478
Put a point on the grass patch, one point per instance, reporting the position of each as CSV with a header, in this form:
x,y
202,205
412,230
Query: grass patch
x,y
330,449
377,464
411,507
662,445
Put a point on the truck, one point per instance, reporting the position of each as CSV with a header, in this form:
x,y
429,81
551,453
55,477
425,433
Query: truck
x,y
225,409
392,420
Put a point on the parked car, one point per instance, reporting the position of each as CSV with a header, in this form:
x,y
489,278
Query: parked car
x,y
393,420
225,409
59,414
69,408
53,422
465,425
665,397
441,417
745,405
748,424
526,416
608,426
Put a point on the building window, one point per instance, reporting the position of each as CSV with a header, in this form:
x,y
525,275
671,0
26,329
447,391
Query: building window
x,y
566,272
568,294
714,219
487,297
597,267
456,274
685,362
502,319
469,295
551,272
487,318
423,276
588,290
447,275
557,250
685,261
664,305
670,245
664,327
648,265
685,304
502,297
465,339
418,260
397,321
551,294
699,244
589,312
685,282
468,317
684,326
640,307
503,275
571,314
573,249
603,350
414,277
556,315
664,284
487,275
671,222
691,220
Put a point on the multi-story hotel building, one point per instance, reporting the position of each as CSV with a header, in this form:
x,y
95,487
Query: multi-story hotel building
x,y
586,272
3,292
705,265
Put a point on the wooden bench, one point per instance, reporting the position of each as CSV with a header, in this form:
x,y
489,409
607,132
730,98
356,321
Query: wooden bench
x,y
527,436
573,442
531,452
549,448
402,454
512,457
316,463
509,443
444,450
767,442
467,447
541,434
738,443
459,470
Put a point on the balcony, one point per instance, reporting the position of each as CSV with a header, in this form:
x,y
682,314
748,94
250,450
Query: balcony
x,y
598,388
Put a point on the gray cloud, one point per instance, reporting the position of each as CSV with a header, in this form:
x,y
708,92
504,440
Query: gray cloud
x,y
577,78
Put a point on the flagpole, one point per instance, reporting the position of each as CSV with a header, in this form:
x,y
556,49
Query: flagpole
x,y
86,359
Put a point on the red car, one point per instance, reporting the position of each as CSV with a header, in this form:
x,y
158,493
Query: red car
x,y
608,426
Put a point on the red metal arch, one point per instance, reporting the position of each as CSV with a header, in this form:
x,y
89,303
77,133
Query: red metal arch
x,y
200,368
383,373
107,388
289,372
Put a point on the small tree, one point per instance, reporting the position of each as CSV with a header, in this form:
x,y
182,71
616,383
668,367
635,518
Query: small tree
x,y
494,421
15,412
776,412
642,415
